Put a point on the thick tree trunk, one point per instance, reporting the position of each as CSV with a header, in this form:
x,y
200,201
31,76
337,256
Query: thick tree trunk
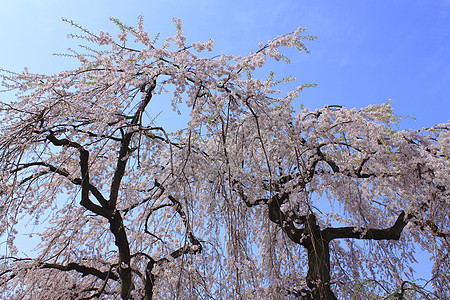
x,y
317,246
318,276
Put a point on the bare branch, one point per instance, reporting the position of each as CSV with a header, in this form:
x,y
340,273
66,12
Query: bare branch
x,y
81,269
391,233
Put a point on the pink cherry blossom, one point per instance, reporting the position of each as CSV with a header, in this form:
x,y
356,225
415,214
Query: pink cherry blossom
x,y
247,199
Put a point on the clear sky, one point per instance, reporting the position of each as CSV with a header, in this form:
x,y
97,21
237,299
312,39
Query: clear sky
x,y
366,51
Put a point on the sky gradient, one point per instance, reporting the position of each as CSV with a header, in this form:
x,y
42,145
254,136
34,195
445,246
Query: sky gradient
x,y
366,51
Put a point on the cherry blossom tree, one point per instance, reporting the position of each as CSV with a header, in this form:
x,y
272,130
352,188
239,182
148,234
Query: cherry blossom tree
x,y
247,200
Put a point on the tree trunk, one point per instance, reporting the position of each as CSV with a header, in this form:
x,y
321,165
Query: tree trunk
x,y
121,241
318,277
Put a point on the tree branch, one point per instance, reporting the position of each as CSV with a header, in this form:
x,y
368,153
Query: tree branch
x,y
85,184
391,233
124,147
85,271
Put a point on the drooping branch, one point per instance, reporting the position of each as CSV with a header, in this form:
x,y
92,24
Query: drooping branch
x,y
62,172
100,136
150,278
194,247
179,209
435,230
124,146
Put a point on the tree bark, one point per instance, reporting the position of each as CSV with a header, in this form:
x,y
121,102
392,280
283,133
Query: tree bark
x,y
318,276
121,241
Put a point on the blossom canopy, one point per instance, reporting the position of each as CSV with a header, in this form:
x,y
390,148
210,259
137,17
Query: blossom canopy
x,y
246,200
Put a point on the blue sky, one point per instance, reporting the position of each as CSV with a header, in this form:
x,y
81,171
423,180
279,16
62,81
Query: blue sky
x,y
366,51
